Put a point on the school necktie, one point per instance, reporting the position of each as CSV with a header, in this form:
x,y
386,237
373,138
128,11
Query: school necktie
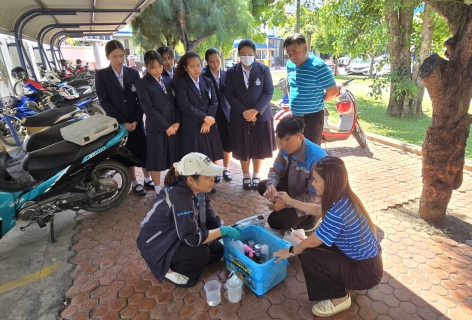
x,y
120,79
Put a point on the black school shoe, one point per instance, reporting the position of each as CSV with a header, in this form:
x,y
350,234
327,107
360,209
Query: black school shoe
x,y
227,175
247,184
149,184
139,190
255,183
217,179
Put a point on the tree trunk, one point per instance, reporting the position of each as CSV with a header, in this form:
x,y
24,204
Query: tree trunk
x,y
336,64
449,86
371,65
399,23
424,52
308,40
298,16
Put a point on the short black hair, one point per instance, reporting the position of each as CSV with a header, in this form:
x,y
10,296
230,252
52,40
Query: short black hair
x,y
166,49
290,126
112,45
151,56
246,43
209,52
296,38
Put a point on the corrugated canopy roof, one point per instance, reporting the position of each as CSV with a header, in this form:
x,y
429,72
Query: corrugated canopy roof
x,y
78,12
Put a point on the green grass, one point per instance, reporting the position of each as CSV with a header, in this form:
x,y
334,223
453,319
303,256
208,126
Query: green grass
x,y
374,119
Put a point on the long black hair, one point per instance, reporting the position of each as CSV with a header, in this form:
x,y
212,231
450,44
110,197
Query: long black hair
x,y
183,62
334,174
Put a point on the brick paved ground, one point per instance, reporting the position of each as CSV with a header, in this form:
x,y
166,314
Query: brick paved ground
x,y
426,277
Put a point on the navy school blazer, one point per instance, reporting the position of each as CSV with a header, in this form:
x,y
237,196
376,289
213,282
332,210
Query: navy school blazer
x,y
223,104
160,107
256,96
193,105
119,103
166,74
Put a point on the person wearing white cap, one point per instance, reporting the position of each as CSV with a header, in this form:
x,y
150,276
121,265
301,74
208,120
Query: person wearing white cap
x,y
177,235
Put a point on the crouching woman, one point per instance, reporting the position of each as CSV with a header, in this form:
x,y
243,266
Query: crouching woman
x,y
177,235
344,251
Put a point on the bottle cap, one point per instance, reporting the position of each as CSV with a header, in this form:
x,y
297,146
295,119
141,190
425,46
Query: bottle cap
x,y
257,247
265,248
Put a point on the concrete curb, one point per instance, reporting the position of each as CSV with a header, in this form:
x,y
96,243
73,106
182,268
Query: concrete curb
x,y
405,146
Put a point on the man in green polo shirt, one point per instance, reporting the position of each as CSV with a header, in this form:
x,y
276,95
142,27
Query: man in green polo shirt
x,y
311,83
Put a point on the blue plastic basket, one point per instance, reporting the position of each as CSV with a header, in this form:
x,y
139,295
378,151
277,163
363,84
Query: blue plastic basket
x,y
260,278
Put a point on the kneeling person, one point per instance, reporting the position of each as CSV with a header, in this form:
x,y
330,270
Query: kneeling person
x,y
177,235
291,173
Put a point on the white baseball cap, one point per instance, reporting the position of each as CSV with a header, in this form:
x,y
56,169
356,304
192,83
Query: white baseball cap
x,y
197,163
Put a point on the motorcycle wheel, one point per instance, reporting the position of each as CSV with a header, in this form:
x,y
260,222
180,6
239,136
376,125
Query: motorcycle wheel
x,y
359,134
111,169
94,109
5,134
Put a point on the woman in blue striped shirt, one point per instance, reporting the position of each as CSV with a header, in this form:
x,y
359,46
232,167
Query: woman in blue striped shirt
x,y
344,251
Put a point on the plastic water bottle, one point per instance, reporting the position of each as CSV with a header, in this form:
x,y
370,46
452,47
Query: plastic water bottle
x,y
238,245
264,253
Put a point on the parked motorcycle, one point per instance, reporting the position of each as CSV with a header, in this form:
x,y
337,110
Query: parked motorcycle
x,y
54,175
348,118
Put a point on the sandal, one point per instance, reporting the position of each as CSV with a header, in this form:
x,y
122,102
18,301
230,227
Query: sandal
x,y
247,184
227,175
139,190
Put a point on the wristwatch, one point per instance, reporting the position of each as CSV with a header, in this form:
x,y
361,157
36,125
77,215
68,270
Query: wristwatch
x,y
290,250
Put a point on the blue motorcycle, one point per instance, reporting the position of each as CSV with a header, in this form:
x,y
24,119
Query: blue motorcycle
x,y
52,175
17,110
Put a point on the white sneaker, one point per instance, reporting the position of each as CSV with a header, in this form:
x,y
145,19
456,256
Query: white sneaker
x,y
178,279
326,308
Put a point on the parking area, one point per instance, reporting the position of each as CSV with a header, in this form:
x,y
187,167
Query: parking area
x,y
427,275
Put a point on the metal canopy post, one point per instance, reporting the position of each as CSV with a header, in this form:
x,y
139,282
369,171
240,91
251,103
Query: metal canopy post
x,y
27,16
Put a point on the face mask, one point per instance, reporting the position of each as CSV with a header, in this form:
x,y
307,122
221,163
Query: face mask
x,y
247,60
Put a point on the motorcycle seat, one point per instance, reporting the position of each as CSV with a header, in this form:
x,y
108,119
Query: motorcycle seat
x,y
65,103
46,162
78,83
81,90
46,137
49,117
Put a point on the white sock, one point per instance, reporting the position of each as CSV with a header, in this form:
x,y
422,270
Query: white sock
x,y
147,179
227,168
255,175
157,189
135,183
246,176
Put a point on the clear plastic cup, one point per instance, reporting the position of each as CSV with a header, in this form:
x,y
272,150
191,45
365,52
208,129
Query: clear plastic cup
x,y
213,292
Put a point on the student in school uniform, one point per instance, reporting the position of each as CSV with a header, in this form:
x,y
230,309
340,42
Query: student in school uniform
x,y
249,89
344,252
116,93
167,54
156,97
218,76
197,100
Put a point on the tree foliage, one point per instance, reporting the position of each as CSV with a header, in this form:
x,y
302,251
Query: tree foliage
x,y
192,22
